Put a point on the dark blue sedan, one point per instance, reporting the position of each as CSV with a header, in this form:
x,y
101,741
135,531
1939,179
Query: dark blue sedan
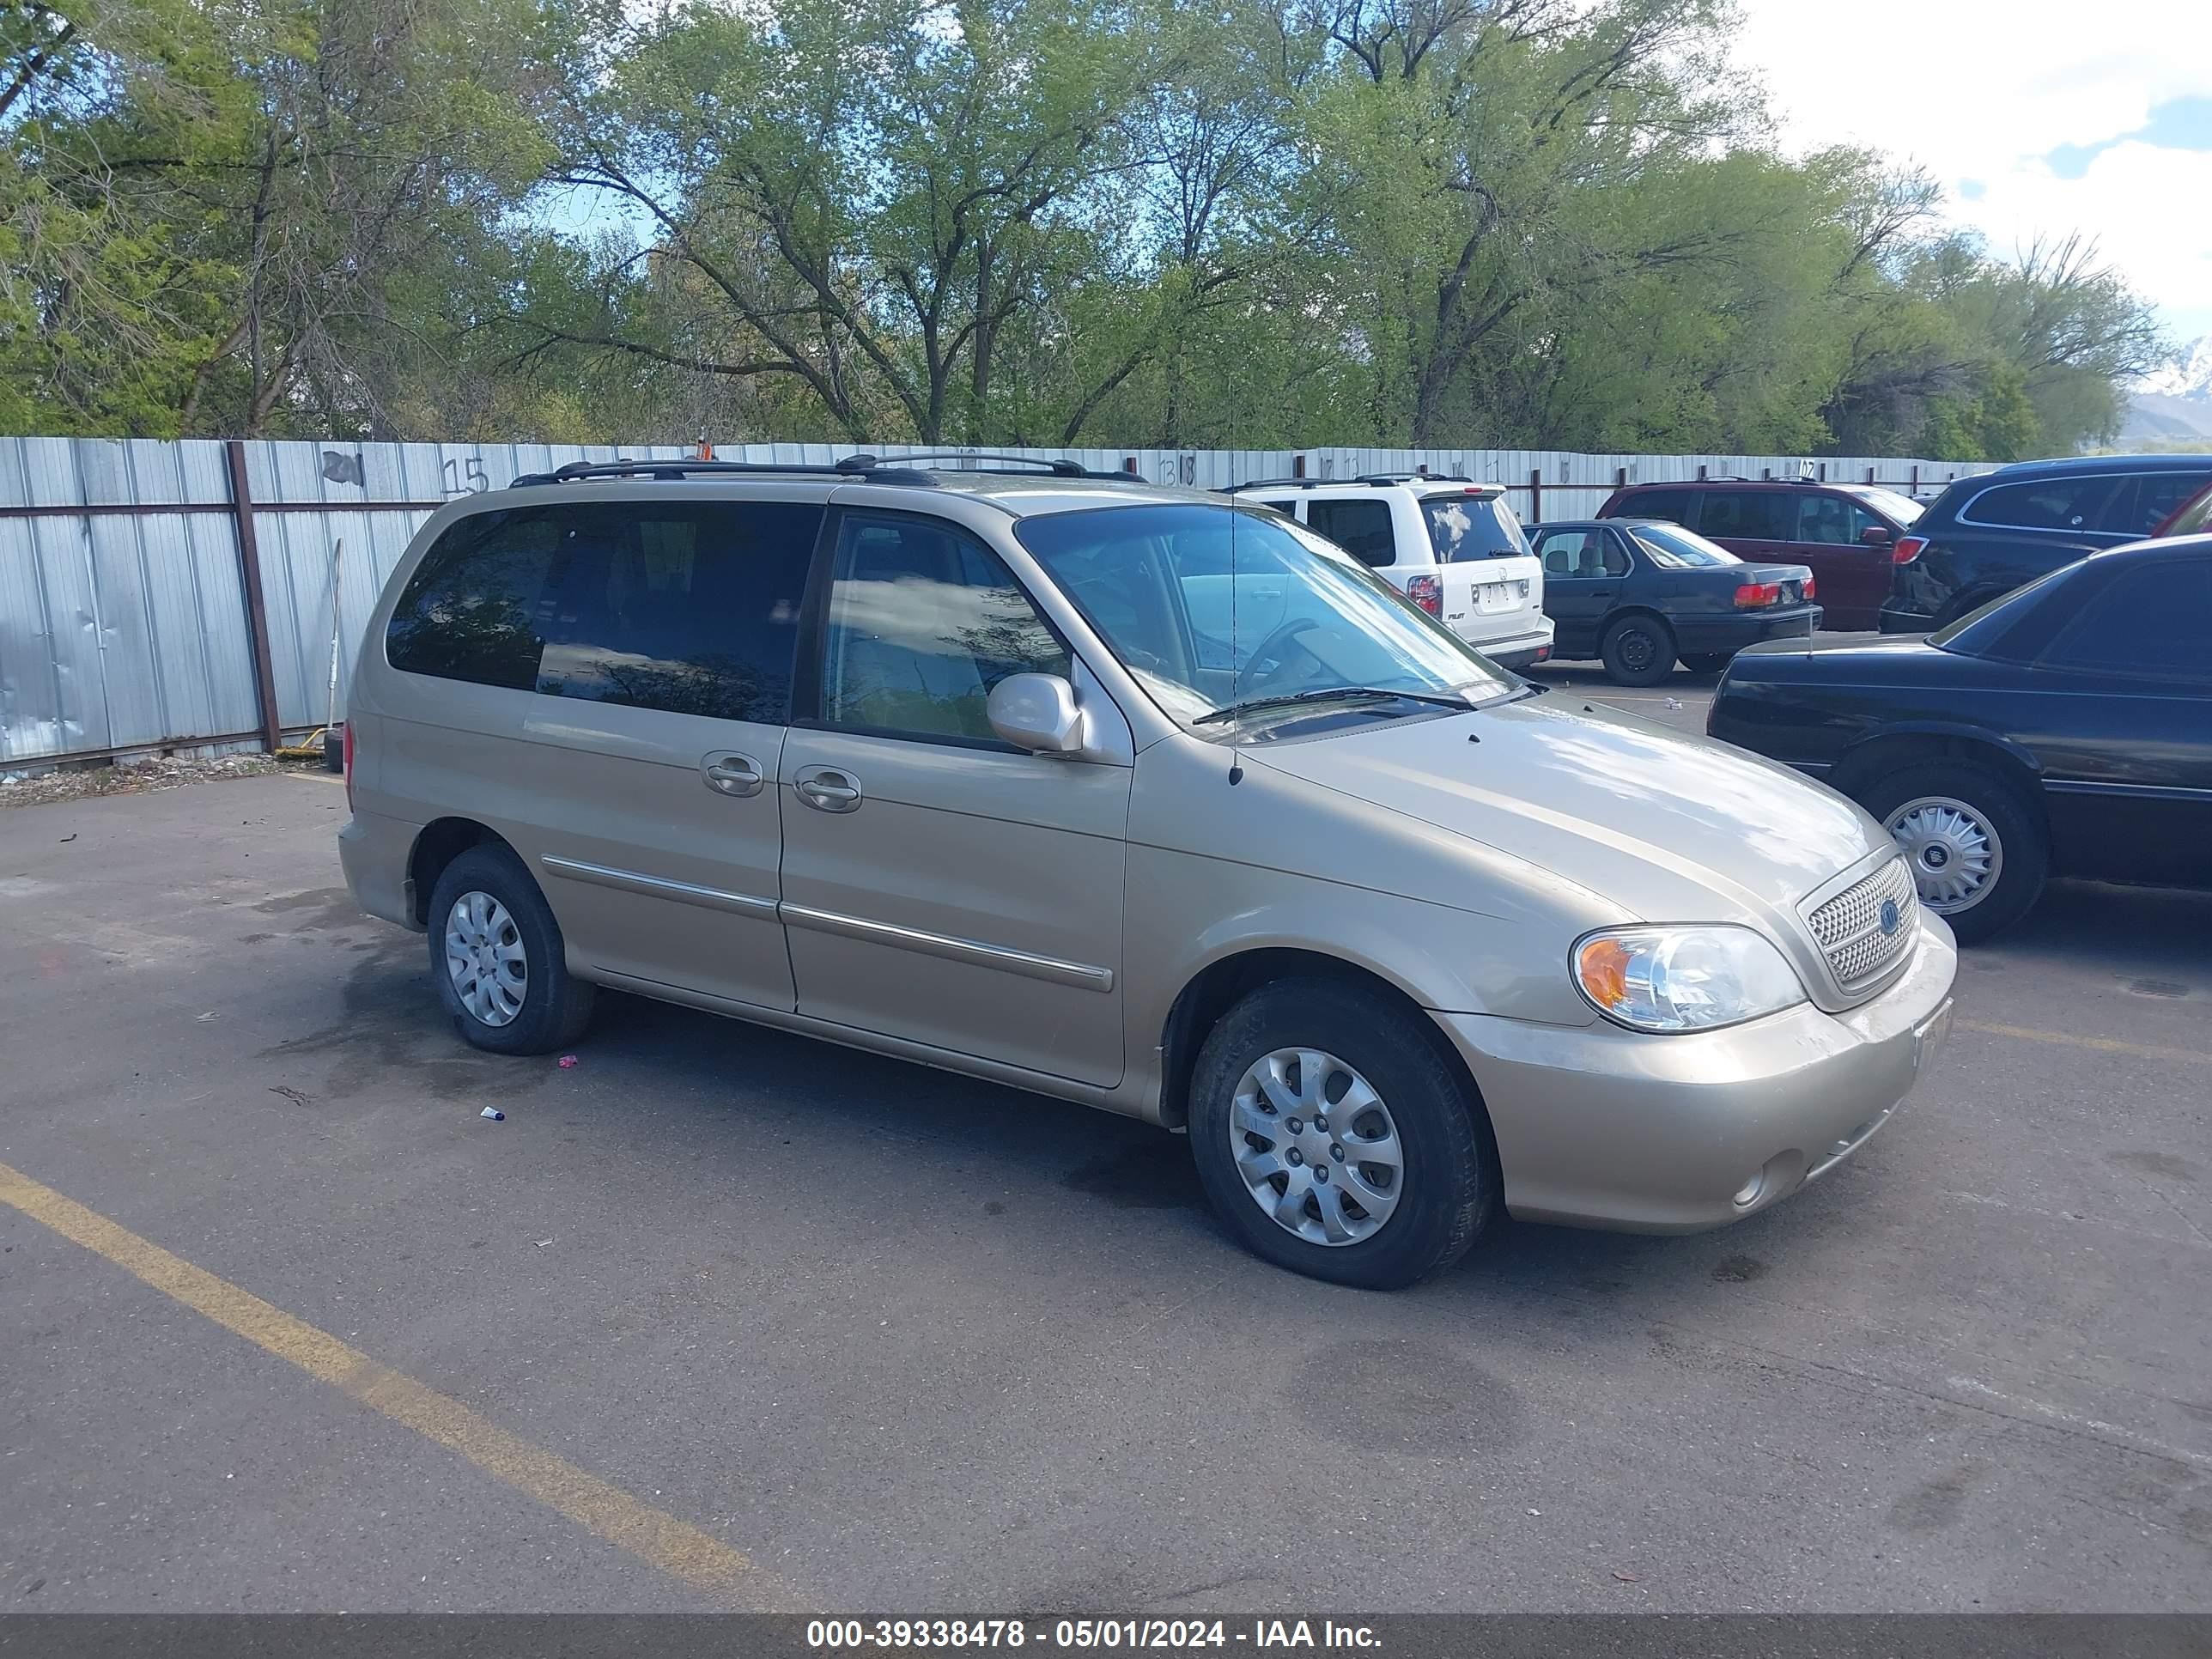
x,y
1638,593
2065,729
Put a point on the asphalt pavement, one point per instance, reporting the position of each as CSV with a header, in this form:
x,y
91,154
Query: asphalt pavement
x,y
725,1317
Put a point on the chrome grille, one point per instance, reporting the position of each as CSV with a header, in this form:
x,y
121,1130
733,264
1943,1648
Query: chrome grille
x,y
1848,927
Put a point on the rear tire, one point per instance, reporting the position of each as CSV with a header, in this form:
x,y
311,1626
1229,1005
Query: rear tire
x,y
498,960
1708,662
1638,651
1977,849
1380,1113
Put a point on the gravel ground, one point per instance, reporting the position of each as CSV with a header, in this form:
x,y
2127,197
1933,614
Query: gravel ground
x,y
136,776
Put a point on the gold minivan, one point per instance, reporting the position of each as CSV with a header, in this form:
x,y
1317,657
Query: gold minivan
x,y
1142,798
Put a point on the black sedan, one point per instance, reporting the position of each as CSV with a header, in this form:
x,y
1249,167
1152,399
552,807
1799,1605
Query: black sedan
x,y
2065,729
1636,593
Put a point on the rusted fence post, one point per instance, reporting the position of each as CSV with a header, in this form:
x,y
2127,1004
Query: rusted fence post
x,y
257,610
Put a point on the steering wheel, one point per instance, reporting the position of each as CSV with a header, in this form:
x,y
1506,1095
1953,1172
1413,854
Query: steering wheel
x,y
1272,646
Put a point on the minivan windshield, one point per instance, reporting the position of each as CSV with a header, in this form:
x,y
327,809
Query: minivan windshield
x,y
1898,509
1220,607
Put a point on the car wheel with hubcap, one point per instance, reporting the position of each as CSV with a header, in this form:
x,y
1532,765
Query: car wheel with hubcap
x,y
497,958
1336,1140
1975,847
1638,651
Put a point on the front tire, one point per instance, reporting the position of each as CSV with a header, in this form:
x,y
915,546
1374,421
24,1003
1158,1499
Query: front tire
x,y
1336,1140
1638,651
1976,847
498,959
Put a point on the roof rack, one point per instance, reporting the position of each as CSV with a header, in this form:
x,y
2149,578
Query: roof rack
x,y
906,469
1377,480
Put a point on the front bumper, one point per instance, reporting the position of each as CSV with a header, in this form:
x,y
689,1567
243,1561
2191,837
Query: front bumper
x,y
1604,1127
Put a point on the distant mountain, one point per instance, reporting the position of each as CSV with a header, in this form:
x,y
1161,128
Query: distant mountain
x,y
2173,407
2188,377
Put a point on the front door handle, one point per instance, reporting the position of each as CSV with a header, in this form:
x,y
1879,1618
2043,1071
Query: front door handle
x,y
827,789
728,772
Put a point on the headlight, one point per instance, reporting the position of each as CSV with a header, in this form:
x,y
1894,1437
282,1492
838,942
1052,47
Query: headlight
x,y
1684,979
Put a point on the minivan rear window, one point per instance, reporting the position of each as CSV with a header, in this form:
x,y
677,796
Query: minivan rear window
x,y
1464,526
690,608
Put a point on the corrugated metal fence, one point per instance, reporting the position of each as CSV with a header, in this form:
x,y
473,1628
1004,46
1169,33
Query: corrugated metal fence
x,y
159,594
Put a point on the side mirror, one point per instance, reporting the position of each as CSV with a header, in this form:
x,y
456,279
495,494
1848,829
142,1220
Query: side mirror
x,y
1036,712
1877,535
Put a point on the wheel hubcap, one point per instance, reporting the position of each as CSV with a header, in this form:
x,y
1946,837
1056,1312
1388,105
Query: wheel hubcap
x,y
1317,1146
1637,650
1955,854
484,958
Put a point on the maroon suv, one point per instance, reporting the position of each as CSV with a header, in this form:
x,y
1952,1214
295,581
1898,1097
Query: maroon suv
x,y
1843,531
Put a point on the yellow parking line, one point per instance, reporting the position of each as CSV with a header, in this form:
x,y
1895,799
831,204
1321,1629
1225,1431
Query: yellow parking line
x,y
676,1548
2101,1045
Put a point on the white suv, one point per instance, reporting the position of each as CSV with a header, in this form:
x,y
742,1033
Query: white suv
x,y
1450,545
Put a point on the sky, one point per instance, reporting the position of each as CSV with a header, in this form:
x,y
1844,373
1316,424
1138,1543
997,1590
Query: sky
x,y
2036,116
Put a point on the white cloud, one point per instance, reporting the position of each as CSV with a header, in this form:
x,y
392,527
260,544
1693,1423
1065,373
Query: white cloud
x,y
1981,91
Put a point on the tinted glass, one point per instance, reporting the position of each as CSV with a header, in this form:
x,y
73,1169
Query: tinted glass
x,y
693,609
689,609
1831,521
2153,621
2147,499
1755,515
1464,526
1671,505
477,607
1285,613
1360,528
2070,503
923,622
1683,549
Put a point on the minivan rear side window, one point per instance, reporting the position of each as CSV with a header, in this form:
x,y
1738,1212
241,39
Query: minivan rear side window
x,y
689,608
1675,505
1751,515
1360,528
2067,503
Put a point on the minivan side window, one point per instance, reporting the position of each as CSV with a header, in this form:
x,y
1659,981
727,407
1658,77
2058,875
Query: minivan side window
x,y
692,609
1360,528
1675,505
2068,503
1753,515
477,607
1831,521
923,621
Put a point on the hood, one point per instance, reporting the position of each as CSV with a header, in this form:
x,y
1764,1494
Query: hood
x,y
1669,827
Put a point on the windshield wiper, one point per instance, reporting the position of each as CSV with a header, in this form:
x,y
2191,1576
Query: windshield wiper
x,y
1327,693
